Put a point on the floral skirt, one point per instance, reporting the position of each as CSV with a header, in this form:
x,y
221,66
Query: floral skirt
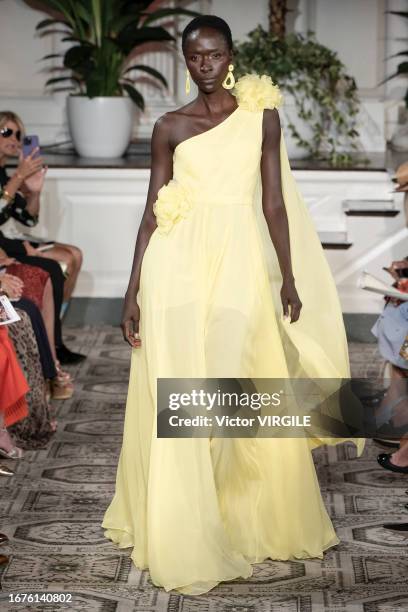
x,y
35,430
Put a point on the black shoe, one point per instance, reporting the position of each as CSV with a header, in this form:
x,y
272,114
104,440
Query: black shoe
x,y
396,526
66,357
384,459
3,538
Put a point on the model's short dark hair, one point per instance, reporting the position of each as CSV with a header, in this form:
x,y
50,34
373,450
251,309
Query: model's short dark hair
x,y
207,21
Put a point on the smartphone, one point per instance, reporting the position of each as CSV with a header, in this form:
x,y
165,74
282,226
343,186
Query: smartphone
x,y
30,142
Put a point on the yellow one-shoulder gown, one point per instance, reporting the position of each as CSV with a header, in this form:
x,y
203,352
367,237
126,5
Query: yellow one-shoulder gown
x,y
200,511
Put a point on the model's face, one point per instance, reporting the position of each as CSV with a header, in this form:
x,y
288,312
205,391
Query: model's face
x,y
207,58
9,141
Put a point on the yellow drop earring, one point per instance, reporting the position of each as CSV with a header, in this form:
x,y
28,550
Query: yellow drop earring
x,y
187,82
229,81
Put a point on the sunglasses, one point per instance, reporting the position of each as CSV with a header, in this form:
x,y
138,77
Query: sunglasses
x,y
8,132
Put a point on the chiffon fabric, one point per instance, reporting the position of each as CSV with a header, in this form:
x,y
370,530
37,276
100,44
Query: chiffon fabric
x,y
200,511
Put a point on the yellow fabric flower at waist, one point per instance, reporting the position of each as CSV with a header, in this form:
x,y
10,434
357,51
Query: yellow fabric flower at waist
x,y
173,203
255,92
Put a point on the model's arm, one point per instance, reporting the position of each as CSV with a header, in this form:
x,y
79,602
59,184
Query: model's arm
x,y
274,210
161,173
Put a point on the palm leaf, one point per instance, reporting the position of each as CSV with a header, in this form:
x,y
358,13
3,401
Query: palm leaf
x,y
77,40
102,34
134,95
69,88
60,7
131,37
97,21
149,70
47,32
399,13
47,22
59,79
51,56
402,70
167,12
398,54
121,22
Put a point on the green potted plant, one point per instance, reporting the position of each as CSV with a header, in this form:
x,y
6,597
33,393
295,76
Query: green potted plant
x,y
99,67
322,103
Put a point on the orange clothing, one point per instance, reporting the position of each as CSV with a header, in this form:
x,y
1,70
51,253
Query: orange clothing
x,y
13,385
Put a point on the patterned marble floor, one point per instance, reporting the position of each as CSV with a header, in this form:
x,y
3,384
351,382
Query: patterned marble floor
x,y
52,509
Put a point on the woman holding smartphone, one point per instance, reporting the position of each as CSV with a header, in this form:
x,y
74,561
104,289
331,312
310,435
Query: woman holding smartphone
x,y
20,199
391,330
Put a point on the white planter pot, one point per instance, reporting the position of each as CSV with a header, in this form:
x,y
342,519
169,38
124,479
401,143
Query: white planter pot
x,y
100,127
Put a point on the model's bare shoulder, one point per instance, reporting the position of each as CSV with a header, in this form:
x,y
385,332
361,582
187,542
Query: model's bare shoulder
x,y
271,126
162,126
170,125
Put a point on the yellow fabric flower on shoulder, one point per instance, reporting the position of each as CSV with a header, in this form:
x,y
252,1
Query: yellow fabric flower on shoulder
x,y
255,92
173,203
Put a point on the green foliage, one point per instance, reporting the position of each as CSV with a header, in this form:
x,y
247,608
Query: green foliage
x,y
105,34
324,94
402,68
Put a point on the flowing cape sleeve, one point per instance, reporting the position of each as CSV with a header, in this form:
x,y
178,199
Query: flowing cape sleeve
x,y
316,345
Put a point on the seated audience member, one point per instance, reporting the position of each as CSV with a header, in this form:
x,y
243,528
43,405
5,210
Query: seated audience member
x,y
391,330
31,286
36,429
20,199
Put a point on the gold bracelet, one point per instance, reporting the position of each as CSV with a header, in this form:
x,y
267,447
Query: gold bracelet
x,y
7,196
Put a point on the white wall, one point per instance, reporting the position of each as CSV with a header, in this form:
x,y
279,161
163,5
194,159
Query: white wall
x,y
22,75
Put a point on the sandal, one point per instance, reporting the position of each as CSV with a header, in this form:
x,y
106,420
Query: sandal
x,y
15,452
61,386
63,374
5,471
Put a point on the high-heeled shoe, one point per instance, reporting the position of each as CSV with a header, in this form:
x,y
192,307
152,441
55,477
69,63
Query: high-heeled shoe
x,y
3,538
384,459
63,374
5,471
15,452
61,386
